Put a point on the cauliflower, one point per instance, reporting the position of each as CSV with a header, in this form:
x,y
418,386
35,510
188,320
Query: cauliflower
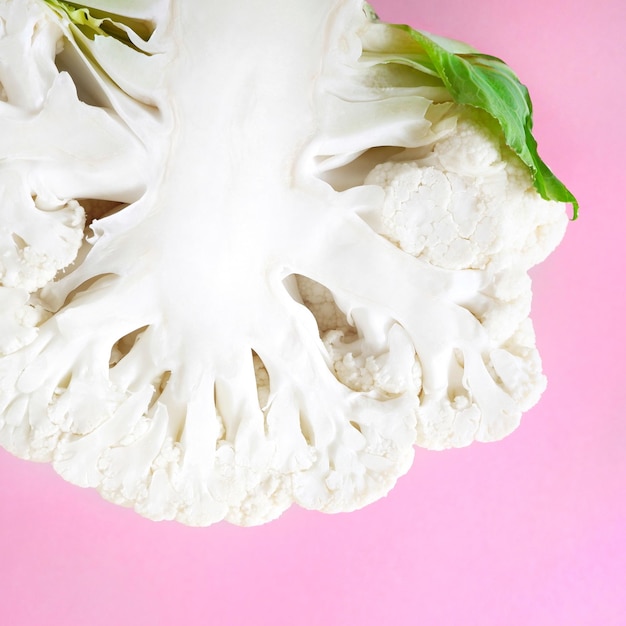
x,y
251,254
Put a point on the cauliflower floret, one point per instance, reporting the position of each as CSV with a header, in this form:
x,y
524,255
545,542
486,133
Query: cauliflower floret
x,y
35,242
467,203
38,239
392,373
19,319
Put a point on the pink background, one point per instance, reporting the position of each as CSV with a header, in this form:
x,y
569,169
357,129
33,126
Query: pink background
x,y
528,531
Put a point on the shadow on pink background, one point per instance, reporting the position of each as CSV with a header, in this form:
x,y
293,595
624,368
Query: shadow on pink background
x,y
527,531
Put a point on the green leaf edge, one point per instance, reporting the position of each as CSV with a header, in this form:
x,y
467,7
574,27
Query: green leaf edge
x,y
498,91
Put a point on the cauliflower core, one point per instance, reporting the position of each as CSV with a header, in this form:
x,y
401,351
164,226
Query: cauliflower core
x,y
233,277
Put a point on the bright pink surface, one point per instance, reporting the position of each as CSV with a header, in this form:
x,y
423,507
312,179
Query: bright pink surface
x,y
528,531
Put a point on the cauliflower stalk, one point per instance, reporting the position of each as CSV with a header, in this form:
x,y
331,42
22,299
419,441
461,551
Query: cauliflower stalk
x,y
252,253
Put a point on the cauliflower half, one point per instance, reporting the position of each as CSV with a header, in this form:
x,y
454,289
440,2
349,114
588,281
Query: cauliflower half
x,y
252,253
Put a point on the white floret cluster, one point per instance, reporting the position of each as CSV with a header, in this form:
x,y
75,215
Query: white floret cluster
x,y
467,202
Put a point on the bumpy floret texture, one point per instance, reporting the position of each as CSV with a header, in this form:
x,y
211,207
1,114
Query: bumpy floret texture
x,y
446,205
229,287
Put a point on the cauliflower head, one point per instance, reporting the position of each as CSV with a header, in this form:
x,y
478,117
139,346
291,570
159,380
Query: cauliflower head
x,y
252,253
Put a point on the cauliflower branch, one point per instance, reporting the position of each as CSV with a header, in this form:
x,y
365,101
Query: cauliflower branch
x,y
251,254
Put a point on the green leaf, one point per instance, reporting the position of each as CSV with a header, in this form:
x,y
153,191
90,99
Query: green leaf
x,y
487,83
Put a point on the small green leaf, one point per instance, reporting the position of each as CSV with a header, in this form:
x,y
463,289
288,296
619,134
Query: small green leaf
x,y
487,83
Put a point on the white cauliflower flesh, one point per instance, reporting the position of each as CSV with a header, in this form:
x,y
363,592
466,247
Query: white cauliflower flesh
x,y
252,253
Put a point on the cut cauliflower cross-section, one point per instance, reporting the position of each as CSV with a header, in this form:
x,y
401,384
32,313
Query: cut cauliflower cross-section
x,y
250,255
